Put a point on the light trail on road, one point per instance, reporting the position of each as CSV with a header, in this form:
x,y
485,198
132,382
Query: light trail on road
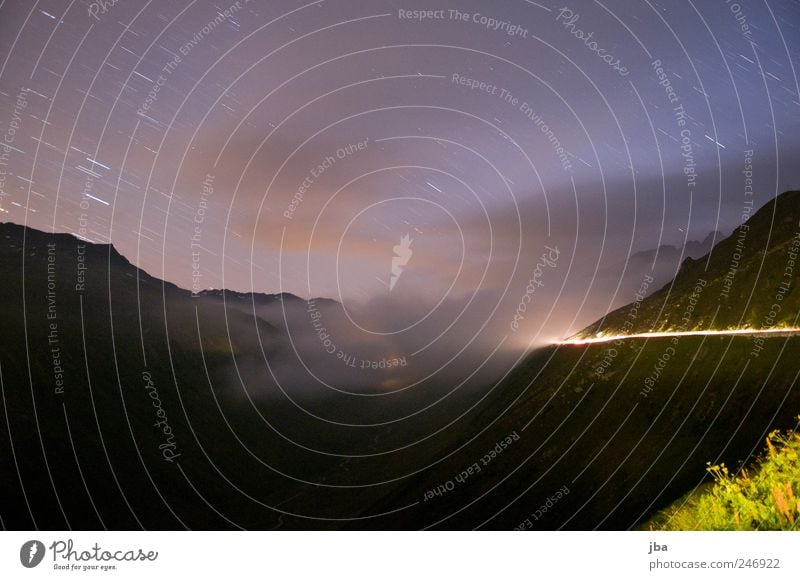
x,y
734,332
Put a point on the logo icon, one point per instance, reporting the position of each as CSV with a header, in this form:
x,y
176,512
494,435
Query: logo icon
x,y
31,553
402,255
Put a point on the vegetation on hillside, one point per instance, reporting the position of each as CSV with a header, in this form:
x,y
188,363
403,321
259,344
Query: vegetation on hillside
x,y
765,497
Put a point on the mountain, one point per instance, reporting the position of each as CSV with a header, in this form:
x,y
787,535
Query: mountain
x,y
128,403
246,300
277,309
695,249
621,279
664,261
605,434
740,280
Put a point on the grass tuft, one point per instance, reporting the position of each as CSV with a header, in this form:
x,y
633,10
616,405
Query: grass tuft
x,y
765,497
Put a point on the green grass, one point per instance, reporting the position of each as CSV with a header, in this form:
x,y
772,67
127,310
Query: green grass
x,y
764,497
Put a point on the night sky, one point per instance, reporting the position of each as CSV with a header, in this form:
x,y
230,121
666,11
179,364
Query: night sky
x,y
290,146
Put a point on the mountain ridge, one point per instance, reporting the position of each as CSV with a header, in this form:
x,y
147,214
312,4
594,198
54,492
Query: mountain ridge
x,y
629,425
735,294
627,428
9,230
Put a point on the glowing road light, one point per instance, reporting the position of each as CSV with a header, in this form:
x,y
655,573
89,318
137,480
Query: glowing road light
x,y
600,338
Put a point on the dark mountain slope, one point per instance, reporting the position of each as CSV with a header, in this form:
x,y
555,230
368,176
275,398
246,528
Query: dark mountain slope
x,y
628,426
624,427
745,275
111,426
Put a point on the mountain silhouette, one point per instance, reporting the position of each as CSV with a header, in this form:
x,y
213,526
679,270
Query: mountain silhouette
x,y
129,403
611,432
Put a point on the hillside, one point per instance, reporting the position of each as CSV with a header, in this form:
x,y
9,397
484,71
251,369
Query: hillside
x,y
622,451
128,403
611,432
740,281
760,496
131,404
576,437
